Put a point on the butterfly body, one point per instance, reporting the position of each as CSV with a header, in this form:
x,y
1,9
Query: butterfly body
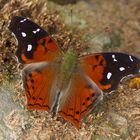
x,y
65,83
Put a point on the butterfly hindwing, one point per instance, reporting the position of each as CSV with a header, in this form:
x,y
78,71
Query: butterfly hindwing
x,y
107,69
83,97
34,43
38,79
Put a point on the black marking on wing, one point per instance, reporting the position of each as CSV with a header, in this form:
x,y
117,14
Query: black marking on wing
x,y
121,61
27,27
95,99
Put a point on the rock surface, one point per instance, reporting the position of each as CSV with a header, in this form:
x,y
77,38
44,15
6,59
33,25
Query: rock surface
x,y
111,26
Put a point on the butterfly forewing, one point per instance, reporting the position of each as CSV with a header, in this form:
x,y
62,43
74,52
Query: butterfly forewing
x,y
34,43
107,69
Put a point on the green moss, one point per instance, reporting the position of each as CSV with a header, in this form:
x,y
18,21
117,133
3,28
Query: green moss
x,y
68,64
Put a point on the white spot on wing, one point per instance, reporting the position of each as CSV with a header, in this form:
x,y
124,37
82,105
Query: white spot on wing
x,y
113,56
122,68
34,32
130,57
114,59
109,74
29,47
37,30
23,20
23,34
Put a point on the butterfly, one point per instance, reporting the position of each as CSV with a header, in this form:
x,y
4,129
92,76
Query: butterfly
x,y
65,83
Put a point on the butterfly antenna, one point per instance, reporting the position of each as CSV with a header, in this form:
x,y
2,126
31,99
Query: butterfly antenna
x,y
71,15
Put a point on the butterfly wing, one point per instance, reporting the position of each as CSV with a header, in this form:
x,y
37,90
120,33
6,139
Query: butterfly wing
x,y
107,69
83,95
34,43
37,81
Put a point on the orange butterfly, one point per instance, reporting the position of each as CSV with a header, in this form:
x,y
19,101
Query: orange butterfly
x,y
65,83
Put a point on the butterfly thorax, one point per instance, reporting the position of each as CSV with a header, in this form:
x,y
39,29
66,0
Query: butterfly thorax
x,y
68,66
